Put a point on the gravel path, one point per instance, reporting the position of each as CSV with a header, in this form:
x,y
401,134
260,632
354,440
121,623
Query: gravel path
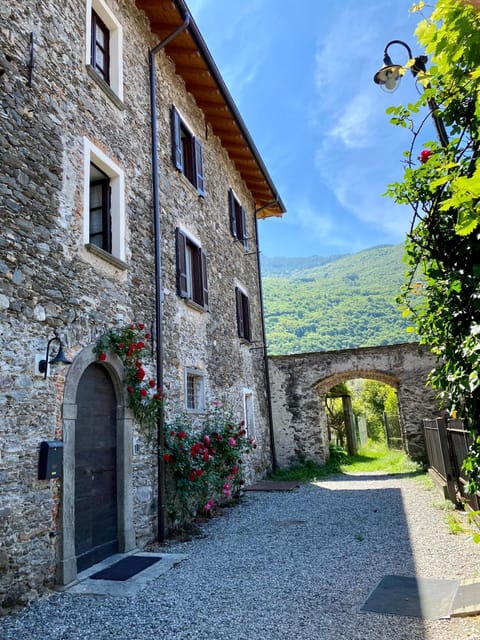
x,y
296,565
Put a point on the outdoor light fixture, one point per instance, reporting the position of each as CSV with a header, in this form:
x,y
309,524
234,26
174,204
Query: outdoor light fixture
x,y
58,359
389,76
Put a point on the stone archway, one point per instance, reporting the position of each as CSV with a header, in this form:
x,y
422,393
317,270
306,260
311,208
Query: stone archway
x,y
299,383
66,562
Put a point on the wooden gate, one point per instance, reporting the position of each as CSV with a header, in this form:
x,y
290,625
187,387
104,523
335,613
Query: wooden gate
x,y
96,531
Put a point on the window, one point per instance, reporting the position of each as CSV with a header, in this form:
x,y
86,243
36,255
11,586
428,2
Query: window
x,y
103,51
238,222
248,412
104,204
194,390
100,43
187,152
191,270
100,219
243,315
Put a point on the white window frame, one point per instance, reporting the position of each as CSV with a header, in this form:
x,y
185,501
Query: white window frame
x,y
199,378
116,43
249,411
94,155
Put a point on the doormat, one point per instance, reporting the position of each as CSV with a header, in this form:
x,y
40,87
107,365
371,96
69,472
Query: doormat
x,y
273,485
125,568
425,598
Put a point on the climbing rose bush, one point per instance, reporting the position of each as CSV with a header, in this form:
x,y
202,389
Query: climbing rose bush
x,y
204,463
145,397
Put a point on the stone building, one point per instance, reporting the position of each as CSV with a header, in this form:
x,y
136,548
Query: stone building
x,y
130,191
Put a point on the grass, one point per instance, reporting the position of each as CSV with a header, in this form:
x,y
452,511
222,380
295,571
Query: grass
x,y
375,457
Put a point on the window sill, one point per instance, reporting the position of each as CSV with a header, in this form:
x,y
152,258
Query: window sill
x,y
105,87
194,305
100,253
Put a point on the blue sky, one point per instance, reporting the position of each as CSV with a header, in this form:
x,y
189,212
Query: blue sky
x,y
301,75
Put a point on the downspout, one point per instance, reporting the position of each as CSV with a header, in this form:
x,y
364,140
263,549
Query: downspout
x,y
264,339
158,272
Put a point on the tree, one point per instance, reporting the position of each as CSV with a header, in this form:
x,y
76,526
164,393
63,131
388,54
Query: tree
x,y
442,185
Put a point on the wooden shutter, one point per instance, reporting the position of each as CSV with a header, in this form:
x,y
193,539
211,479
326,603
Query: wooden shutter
x,y
203,257
231,213
240,326
244,238
181,252
200,181
246,319
177,154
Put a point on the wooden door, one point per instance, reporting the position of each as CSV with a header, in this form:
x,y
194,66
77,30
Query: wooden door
x,y
96,531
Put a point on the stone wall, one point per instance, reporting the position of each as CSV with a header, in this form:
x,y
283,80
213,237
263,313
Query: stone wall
x,y
300,382
49,280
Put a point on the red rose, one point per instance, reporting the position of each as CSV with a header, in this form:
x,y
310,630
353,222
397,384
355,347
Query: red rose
x,y
424,155
168,457
182,435
148,336
141,326
140,374
199,472
157,397
140,345
121,345
102,356
130,389
143,392
152,383
205,456
192,476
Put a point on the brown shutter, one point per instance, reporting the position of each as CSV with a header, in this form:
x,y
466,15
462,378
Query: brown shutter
x,y
181,252
204,278
177,155
246,319
231,213
200,181
244,237
240,327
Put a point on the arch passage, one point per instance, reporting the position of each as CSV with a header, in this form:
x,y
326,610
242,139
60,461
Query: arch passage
x,y
96,531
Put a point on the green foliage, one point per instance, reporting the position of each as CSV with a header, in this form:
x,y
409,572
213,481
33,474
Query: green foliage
x,y
318,304
376,398
443,190
372,458
145,398
204,464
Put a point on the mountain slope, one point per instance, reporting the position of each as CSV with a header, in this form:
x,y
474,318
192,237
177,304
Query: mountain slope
x,y
341,302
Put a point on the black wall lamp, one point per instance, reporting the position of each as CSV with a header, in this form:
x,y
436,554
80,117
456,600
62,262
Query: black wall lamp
x,y
389,76
59,358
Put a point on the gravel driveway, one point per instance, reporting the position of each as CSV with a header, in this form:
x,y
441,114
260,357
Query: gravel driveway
x,y
294,565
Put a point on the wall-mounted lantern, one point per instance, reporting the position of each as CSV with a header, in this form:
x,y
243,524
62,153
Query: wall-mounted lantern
x,y
59,358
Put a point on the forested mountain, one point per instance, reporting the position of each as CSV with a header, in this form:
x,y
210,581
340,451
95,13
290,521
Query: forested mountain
x,y
341,302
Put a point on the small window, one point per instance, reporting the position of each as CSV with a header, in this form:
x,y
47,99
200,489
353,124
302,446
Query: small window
x,y
104,43
238,221
194,390
191,270
243,315
104,204
100,42
187,152
100,223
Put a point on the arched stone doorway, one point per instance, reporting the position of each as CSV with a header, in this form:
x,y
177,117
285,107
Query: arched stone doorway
x,y
82,380
298,384
325,386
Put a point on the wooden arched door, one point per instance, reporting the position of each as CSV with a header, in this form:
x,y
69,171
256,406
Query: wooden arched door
x,y
96,528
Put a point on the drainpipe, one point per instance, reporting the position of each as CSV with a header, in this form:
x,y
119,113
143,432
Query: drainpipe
x,y
158,272
264,339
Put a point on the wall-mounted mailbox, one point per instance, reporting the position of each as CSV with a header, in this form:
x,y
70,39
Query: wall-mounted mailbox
x,y
50,462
